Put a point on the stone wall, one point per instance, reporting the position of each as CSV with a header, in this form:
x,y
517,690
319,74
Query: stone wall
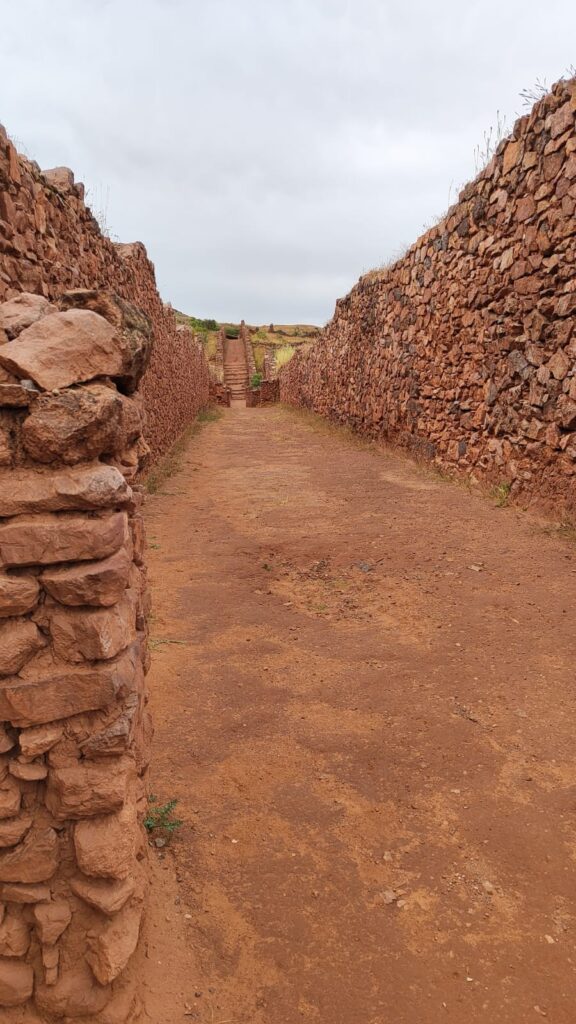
x,y
73,603
266,393
50,243
464,351
246,339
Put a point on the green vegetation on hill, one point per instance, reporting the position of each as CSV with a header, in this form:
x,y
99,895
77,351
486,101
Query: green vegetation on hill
x,y
205,330
200,326
283,339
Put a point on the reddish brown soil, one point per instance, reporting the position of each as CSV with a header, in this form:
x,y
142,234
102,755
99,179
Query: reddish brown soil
x,y
364,699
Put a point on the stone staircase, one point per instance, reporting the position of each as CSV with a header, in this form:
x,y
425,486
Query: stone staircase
x,y
235,369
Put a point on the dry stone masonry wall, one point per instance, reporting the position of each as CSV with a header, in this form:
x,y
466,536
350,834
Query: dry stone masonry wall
x,y
464,351
73,603
50,243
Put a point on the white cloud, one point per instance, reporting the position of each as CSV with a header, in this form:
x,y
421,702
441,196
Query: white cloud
x,y
268,152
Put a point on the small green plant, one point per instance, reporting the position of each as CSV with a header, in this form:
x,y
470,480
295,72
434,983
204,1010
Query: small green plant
x,y
501,493
232,332
202,325
256,380
160,817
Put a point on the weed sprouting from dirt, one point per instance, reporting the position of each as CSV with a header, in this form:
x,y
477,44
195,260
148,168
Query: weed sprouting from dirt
x,y
160,818
172,462
157,641
501,494
563,531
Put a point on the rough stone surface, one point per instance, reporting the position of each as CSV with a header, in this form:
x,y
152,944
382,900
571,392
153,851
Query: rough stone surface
x,y
6,447
10,798
13,830
20,639
16,982
50,538
108,895
18,595
52,919
83,634
110,950
90,583
74,996
85,790
65,348
105,846
74,425
50,689
34,860
120,729
7,741
39,739
22,311
17,396
14,936
132,326
28,771
84,487
26,894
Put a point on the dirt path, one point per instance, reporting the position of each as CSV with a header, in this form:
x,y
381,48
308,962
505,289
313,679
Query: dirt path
x,y
364,696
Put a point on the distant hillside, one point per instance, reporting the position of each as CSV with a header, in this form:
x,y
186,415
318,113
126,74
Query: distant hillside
x,y
288,337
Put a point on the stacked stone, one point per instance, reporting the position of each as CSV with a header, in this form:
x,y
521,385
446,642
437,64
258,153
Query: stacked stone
x,y
73,605
218,361
51,242
245,337
267,393
270,367
219,394
464,351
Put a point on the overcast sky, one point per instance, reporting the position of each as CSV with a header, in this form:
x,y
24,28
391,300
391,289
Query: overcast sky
x,y
268,152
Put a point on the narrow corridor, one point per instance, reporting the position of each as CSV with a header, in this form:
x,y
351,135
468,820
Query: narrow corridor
x,y
363,693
